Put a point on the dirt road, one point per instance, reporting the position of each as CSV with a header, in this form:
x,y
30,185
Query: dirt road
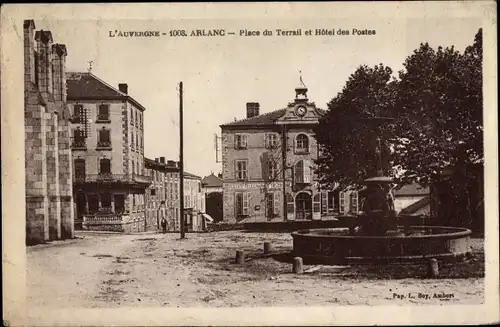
x,y
151,270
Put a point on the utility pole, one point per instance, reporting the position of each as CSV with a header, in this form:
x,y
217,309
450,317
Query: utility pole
x,y
181,162
283,158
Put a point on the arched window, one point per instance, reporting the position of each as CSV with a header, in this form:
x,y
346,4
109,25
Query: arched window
x,y
302,143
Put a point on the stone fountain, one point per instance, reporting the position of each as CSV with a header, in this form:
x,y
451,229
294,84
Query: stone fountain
x,y
376,235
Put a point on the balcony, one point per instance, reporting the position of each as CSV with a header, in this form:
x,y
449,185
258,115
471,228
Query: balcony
x,y
106,178
103,145
79,145
103,118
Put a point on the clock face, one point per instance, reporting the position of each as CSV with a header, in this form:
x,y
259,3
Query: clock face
x,y
301,111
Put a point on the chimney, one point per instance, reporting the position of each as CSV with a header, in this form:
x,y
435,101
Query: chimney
x,y
44,44
123,87
162,160
157,160
29,51
171,163
59,72
252,109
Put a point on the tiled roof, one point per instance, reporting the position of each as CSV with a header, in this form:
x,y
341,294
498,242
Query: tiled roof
x,y
264,119
268,118
212,181
414,207
88,86
411,189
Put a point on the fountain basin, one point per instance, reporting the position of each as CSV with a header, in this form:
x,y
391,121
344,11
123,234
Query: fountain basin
x,y
413,243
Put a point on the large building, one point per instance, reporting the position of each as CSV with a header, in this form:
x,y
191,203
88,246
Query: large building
x,y
165,187
268,166
49,194
108,155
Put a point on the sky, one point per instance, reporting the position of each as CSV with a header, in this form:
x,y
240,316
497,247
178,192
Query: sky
x,y
221,74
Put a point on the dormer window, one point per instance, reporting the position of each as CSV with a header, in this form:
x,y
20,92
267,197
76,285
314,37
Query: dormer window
x,y
240,141
302,143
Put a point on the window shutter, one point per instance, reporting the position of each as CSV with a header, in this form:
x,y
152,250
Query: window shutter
x,y
307,172
277,201
354,201
244,141
299,172
246,203
268,141
316,203
341,202
236,141
290,207
324,203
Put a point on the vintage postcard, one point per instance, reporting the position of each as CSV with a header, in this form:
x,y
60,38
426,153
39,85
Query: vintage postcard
x,y
250,164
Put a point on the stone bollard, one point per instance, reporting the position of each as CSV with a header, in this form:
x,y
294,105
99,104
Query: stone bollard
x,y
298,266
432,268
268,248
240,257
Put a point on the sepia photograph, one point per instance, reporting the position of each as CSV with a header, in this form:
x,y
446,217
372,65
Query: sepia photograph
x,y
259,160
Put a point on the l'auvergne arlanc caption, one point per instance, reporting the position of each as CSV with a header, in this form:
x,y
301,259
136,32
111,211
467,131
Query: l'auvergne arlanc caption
x,y
385,182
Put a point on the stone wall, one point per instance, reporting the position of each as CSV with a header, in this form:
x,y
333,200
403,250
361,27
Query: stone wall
x,y
49,203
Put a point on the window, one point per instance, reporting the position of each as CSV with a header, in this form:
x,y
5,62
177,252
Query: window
x,y
104,138
133,167
105,166
240,141
137,119
302,143
103,112
131,116
303,172
119,203
242,204
241,170
132,141
271,140
324,203
333,201
273,169
79,138
106,201
80,169
153,192
137,142
77,113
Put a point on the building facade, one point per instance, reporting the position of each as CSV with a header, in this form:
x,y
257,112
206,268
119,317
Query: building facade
x,y
268,168
49,193
107,127
165,188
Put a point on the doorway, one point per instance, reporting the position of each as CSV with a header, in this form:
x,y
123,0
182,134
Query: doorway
x,y
303,206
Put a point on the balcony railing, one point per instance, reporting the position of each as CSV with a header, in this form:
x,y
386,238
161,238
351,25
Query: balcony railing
x,y
113,218
104,144
103,118
79,144
112,178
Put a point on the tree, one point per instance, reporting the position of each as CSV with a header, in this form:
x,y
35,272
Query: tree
x,y
347,143
440,125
